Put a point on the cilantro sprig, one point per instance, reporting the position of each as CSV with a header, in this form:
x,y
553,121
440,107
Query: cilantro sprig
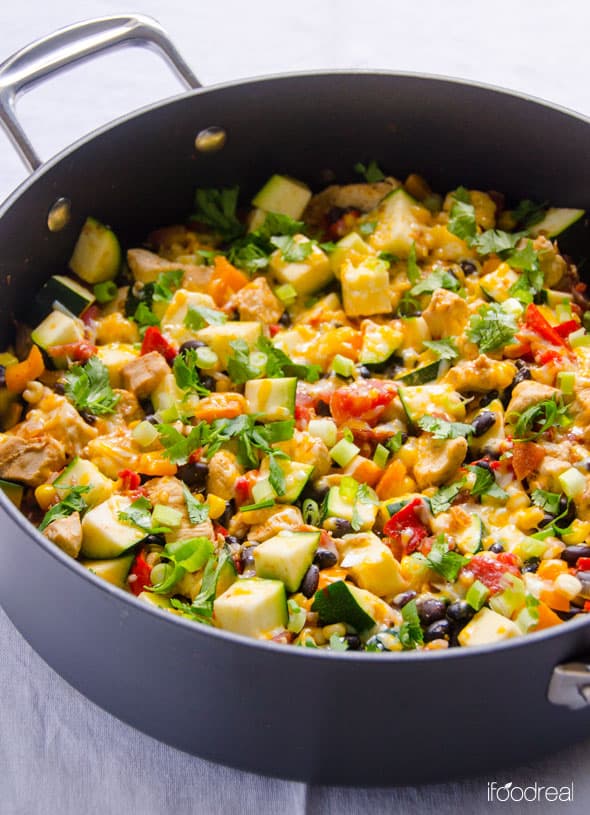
x,y
139,514
438,279
485,483
70,503
410,632
201,609
183,556
443,498
441,429
371,171
186,373
217,208
491,328
538,418
444,349
88,388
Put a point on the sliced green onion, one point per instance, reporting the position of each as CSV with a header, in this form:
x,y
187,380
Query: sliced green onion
x,y
563,311
106,292
160,573
578,338
258,361
287,294
572,482
206,358
532,547
263,491
163,515
527,619
566,380
477,595
380,456
348,488
144,434
343,366
324,429
297,617
169,414
344,452
311,512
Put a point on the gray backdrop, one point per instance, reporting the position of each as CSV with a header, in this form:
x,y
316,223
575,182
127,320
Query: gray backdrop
x,y
59,753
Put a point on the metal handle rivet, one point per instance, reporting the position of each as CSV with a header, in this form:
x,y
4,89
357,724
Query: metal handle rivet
x,y
210,140
59,215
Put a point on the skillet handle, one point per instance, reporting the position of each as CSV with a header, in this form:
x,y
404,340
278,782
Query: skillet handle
x,y
570,685
67,46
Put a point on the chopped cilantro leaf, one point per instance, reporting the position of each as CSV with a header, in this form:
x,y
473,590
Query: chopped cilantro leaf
x,y
462,216
444,349
183,556
240,366
410,632
279,364
144,316
166,284
88,387
197,511
186,373
253,251
485,483
413,268
491,328
371,171
198,317
438,279
217,208
291,250
443,498
496,241
140,514
444,561
177,447
549,501
70,503
537,419
442,429
528,213
338,643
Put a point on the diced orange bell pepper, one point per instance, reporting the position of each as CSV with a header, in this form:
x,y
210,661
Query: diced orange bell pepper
x,y
547,618
30,368
555,600
221,406
154,463
550,569
391,480
364,471
225,280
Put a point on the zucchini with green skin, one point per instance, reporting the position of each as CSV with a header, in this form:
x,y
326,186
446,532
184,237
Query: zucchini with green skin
x,y
337,506
425,374
252,606
271,399
470,540
114,570
340,602
397,222
286,557
72,295
83,473
104,534
556,221
97,253
296,477
14,492
283,195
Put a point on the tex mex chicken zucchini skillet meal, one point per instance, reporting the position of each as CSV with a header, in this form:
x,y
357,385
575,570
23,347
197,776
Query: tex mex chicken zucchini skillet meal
x,y
358,420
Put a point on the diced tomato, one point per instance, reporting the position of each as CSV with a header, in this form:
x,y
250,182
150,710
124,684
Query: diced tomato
x,y
547,356
365,399
490,570
537,323
243,486
78,351
407,520
274,329
91,314
131,480
140,571
566,328
344,224
583,564
587,605
220,530
153,340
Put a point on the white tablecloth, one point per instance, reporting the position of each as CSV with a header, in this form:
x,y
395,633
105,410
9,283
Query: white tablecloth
x,y
59,753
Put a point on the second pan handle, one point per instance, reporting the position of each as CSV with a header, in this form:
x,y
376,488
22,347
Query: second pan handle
x,y
70,45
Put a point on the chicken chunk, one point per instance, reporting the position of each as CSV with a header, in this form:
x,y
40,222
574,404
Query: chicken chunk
x,y
286,517
55,416
224,470
146,266
142,375
438,460
66,533
481,374
257,302
526,394
364,197
446,315
30,461
169,491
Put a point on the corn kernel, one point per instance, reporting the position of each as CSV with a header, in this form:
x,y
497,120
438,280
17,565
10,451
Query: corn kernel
x,y
580,532
527,519
568,585
45,495
216,506
337,628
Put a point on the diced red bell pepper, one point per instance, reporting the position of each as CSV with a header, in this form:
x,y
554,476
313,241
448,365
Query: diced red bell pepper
x,y
91,314
406,520
140,571
78,351
274,329
131,480
547,356
583,564
220,530
566,328
153,340
242,487
587,605
537,323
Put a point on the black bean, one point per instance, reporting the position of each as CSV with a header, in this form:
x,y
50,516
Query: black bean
x,y
231,540
520,376
194,474
488,397
460,611
400,600
154,540
323,409
571,553
468,266
152,419
485,465
227,514
146,405
531,564
208,382
340,527
570,516
247,559
364,372
325,559
89,418
482,423
191,344
430,609
353,641
2,376
285,319
59,388
548,517
437,631
316,491
309,584
497,547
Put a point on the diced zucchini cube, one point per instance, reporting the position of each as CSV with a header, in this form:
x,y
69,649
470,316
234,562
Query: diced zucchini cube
x,y
57,329
97,254
351,247
287,557
104,534
83,473
487,627
306,276
176,311
271,399
296,477
252,606
398,219
284,195
114,571
219,337
379,342
365,288
372,565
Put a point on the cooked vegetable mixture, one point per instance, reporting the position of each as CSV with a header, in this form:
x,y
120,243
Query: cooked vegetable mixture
x,y
355,420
